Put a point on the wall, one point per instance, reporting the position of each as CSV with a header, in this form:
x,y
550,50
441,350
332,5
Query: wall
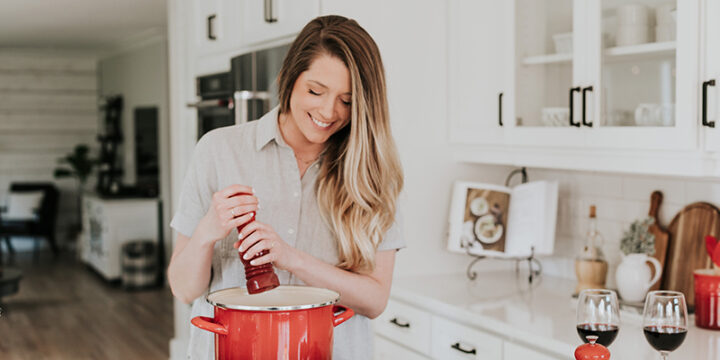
x,y
140,75
48,104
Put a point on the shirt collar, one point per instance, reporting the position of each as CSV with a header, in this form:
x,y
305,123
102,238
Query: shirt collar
x,y
267,129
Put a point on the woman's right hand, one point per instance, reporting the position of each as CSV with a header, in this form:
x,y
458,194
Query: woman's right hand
x,y
231,207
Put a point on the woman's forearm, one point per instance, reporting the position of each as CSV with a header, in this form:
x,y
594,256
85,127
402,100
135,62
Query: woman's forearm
x,y
189,269
366,294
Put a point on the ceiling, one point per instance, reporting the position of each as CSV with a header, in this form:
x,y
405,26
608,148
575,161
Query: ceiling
x,y
78,24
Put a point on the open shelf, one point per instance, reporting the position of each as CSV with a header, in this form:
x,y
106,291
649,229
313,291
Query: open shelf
x,y
548,59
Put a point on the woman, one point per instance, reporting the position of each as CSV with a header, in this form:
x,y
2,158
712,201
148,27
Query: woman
x,y
323,174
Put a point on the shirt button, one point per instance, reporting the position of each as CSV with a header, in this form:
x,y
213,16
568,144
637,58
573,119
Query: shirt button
x,y
296,194
291,231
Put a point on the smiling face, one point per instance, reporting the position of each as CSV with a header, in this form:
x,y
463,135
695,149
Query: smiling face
x,y
319,103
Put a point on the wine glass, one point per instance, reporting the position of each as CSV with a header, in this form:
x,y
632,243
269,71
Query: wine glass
x,y
598,315
665,320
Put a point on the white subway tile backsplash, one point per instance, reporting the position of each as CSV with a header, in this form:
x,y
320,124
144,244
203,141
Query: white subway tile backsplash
x,y
641,187
702,191
606,186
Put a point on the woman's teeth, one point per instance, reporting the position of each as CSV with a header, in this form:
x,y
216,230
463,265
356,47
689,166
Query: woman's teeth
x,y
320,123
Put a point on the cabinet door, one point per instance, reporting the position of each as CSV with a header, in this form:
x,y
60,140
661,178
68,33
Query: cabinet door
x,y
208,21
711,71
388,350
478,65
549,67
264,20
452,341
644,69
515,351
406,325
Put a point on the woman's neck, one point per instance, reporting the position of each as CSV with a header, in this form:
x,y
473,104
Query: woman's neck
x,y
304,150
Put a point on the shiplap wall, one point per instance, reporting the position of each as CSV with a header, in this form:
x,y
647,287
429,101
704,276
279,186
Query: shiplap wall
x,y
48,104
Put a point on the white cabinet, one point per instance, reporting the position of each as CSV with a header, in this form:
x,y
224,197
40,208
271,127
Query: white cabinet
x,y
215,26
477,69
709,83
389,350
406,325
110,223
452,341
264,20
514,351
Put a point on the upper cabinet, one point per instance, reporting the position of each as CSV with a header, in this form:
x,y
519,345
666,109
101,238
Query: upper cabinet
x,y
710,78
264,20
477,69
586,84
230,27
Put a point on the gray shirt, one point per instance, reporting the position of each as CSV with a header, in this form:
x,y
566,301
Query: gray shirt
x,y
256,155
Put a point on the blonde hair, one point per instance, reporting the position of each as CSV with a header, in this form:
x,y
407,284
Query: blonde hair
x,y
360,177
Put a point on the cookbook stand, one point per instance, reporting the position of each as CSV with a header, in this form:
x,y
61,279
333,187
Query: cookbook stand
x,y
534,265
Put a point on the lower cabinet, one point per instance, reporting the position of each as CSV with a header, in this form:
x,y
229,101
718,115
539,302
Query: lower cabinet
x,y
389,350
404,331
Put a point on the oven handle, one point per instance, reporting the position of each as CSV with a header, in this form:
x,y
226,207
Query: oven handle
x,y
241,99
202,104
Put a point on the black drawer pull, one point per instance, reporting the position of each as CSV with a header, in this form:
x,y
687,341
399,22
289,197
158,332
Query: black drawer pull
x,y
572,91
210,27
500,109
705,121
584,90
457,347
398,323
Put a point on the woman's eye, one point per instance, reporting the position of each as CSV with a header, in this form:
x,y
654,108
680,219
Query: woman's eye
x,y
312,92
347,103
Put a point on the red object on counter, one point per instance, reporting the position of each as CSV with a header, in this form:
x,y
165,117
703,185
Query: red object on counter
x,y
713,249
258,278
707,299
592,351
290,322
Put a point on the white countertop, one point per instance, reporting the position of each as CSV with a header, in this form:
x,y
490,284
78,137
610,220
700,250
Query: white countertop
x,y
541,316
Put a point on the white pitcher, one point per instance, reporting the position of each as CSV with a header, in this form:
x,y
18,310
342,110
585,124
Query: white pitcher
x,y
633,276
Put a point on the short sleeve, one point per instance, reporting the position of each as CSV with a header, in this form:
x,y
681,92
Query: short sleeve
x,y
394,238
197,189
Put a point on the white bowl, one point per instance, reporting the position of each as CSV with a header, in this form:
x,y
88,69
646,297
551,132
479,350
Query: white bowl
x,y
665,33
555,116
632,35
634,14
665,14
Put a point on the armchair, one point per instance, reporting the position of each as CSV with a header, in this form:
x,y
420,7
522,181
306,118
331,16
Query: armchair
x,y
43,225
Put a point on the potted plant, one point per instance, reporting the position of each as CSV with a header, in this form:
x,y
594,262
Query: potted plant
x,y
707,288
633,276
80,166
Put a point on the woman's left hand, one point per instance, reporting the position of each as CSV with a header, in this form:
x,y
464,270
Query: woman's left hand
x,y
256,237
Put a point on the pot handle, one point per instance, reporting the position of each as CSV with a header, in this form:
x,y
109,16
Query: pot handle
x,y
207,323
345,315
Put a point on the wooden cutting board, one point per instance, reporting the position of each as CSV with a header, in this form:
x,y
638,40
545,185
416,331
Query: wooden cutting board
x,y
687,246
662,236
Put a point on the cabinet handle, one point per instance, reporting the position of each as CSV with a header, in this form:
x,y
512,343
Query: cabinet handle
x,y
572,92
500,109
705,121
210,27
458,347
584,90
398,323
270,11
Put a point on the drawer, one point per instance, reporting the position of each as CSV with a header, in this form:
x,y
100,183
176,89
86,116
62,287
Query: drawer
x,y
452,341
406,325
388,350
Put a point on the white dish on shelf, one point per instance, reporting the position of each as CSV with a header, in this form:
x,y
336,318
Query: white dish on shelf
x,y
563,43
555,116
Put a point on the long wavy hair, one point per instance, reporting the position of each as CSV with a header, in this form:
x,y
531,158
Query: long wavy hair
x,y
360,177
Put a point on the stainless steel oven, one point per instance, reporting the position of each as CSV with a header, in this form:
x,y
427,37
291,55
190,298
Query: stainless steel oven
x,y
215,107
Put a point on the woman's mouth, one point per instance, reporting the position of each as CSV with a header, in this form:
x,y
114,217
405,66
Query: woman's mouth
x,y
320,123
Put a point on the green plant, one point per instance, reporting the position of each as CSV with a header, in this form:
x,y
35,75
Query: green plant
x,y
79,165
637,239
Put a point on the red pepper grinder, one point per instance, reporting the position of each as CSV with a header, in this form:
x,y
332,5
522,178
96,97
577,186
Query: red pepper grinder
x,y
591,350
258,278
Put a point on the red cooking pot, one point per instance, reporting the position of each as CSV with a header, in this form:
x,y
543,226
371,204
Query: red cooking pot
x,y
288,322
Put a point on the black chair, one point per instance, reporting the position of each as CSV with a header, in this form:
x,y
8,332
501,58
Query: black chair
x,y
42,226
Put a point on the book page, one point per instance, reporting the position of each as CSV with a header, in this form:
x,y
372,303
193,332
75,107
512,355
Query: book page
x,y
478,218
532,217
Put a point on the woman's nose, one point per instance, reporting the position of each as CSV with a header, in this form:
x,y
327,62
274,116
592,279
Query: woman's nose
x,y
326,110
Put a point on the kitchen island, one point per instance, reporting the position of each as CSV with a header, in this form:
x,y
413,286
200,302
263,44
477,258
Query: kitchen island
x,y
500,315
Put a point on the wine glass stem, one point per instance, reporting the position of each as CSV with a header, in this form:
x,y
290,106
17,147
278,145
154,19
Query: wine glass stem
x,y
664,355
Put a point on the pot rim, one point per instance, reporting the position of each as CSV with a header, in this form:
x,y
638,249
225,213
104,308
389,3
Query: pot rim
x,y
332,301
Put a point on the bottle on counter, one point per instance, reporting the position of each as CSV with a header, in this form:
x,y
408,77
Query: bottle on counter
x,y
590,265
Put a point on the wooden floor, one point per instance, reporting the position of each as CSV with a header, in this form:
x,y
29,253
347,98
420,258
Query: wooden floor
x,y
66,311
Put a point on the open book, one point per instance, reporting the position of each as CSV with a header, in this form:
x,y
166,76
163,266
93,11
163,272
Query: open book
x,y
494,220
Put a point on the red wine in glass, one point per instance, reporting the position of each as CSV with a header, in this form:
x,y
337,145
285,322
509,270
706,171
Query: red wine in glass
x,y
665,338
606,333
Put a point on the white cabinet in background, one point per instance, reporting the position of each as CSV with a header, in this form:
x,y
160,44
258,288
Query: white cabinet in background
x,y
216,26
264,20
452,341
388,350
406,325
477,69
710,79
